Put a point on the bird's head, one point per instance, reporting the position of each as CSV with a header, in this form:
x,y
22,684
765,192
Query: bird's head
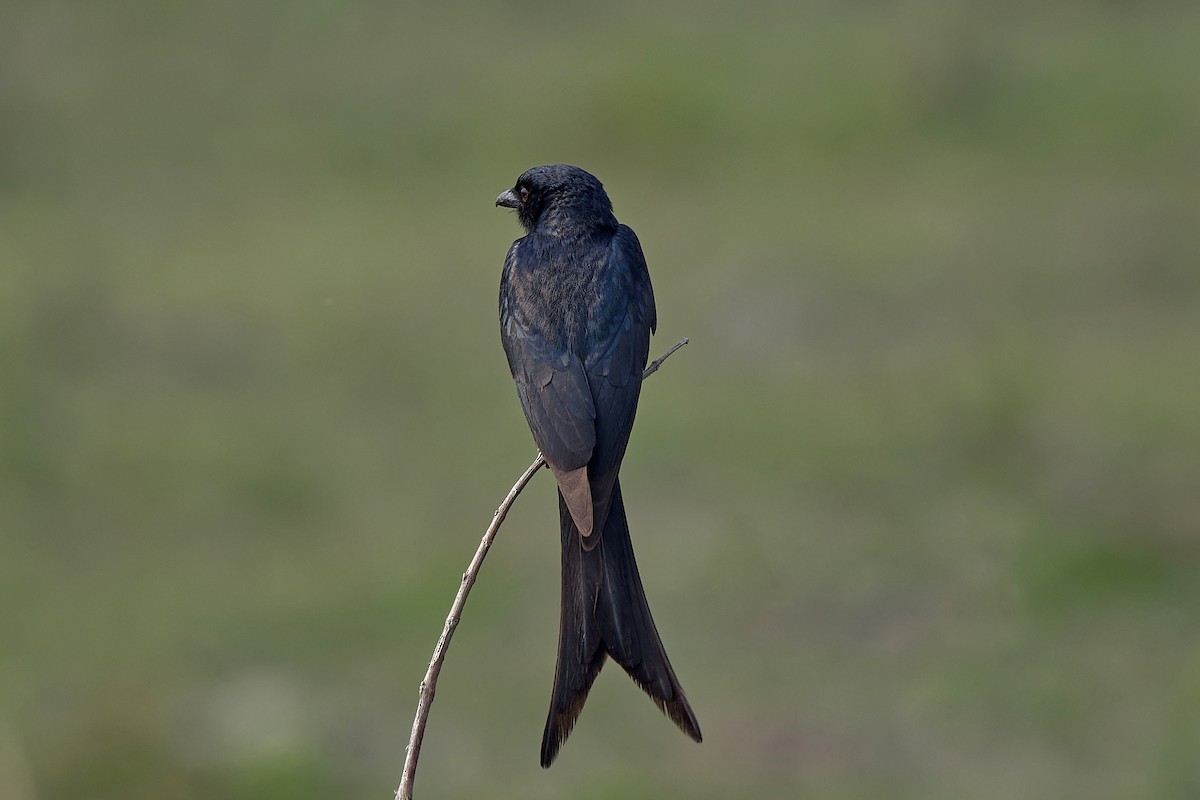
x,y
559,199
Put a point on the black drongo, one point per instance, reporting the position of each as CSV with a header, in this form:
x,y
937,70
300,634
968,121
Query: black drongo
x,y
576,313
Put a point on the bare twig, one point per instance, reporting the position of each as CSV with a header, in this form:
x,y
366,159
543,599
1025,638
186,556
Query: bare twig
x,y
429,684
656,363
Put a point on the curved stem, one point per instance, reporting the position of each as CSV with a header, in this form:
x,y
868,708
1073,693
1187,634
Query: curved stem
x,y
429,683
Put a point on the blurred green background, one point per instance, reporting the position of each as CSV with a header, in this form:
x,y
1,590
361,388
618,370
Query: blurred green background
x,y
918,509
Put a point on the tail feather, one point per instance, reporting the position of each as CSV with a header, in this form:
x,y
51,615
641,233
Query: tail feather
x,y
605,613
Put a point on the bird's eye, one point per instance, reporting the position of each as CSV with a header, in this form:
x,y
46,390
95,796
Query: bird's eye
x,y
524,194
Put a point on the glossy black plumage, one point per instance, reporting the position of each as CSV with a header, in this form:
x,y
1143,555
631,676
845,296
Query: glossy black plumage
x,y
576,314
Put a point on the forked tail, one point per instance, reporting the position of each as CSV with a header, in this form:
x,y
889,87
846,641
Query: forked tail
x,y
605,613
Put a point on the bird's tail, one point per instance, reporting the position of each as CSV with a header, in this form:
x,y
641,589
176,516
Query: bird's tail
x,y
605,613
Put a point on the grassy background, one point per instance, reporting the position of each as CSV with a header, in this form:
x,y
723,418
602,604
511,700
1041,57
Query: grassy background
x,y
918,509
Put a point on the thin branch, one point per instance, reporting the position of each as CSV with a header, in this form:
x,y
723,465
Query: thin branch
x,y
429,684
656,363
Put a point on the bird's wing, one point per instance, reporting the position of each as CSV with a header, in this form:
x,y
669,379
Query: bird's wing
x,y
557,401
616,360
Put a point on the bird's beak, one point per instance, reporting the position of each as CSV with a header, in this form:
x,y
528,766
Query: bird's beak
x,y
508,199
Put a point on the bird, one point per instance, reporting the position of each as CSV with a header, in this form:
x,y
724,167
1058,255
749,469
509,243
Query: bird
x,y
576,314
